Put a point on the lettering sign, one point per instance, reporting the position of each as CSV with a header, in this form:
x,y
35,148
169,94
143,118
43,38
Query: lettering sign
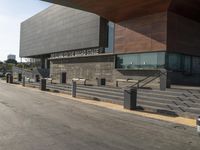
x,y
76,53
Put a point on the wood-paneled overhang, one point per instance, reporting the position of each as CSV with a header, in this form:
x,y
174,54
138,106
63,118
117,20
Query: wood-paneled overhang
x,y
117,10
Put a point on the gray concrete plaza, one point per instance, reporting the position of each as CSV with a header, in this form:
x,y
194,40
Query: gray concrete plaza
x,y
34,120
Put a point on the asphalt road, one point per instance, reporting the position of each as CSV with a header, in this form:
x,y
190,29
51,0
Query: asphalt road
x,y
34,120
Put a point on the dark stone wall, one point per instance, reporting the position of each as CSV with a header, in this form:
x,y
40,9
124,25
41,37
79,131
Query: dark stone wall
x,y
94,67
86,67
179,78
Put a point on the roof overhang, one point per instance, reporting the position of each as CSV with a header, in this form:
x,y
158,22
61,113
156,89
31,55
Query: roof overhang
x,y
119,10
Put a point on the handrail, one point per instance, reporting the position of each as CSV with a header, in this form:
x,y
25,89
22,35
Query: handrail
x,y
155,75
158,75
149,76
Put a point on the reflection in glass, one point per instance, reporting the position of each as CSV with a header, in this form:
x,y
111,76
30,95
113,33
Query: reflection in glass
x,y
141,61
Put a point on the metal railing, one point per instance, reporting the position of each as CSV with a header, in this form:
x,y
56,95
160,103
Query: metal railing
x,y
150,78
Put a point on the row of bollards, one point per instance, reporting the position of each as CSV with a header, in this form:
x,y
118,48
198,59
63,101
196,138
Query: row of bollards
x,y
43,85
130,95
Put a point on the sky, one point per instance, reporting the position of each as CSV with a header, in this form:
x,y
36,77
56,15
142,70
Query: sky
x,y
12,13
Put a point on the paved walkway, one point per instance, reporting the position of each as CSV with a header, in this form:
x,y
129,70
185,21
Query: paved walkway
x,y
35,120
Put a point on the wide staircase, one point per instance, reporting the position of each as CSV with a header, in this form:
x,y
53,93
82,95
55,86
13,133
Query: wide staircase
x,y
175,101
44,73
31,73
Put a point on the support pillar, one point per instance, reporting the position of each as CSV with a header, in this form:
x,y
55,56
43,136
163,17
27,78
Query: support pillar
x,y
163,80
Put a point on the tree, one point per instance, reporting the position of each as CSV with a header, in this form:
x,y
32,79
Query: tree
x,y
11,61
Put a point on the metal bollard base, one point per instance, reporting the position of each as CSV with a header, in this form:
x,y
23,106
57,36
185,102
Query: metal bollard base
x,y
43,85
130,98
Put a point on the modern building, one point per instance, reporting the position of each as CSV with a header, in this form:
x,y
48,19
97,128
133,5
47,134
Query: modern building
x,y
11,57
116,39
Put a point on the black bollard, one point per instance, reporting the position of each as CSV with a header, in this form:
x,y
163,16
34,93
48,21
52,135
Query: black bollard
x,y
24,81
37,78
20,77
7,78
74,87
130,98
43,84
11,79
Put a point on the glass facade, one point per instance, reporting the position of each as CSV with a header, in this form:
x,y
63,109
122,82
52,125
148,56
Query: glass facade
x,y
196,65
141,61
179,62
157,60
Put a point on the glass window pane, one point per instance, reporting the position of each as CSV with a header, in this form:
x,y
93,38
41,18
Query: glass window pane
x,y
149,60
141,61
196,65
187,64
161,60
111,32
174,62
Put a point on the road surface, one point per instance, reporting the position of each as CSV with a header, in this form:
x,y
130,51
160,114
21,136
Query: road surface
x,y
35,120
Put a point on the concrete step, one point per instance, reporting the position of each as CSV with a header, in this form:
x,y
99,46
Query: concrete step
x,y
159,110
120,94
180,109
170,93
103,95
167,98
100,98
191,91
114,89
170,101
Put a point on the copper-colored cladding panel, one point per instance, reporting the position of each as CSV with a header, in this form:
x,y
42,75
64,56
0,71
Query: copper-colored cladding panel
x,y
183,35
117,10
142,34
